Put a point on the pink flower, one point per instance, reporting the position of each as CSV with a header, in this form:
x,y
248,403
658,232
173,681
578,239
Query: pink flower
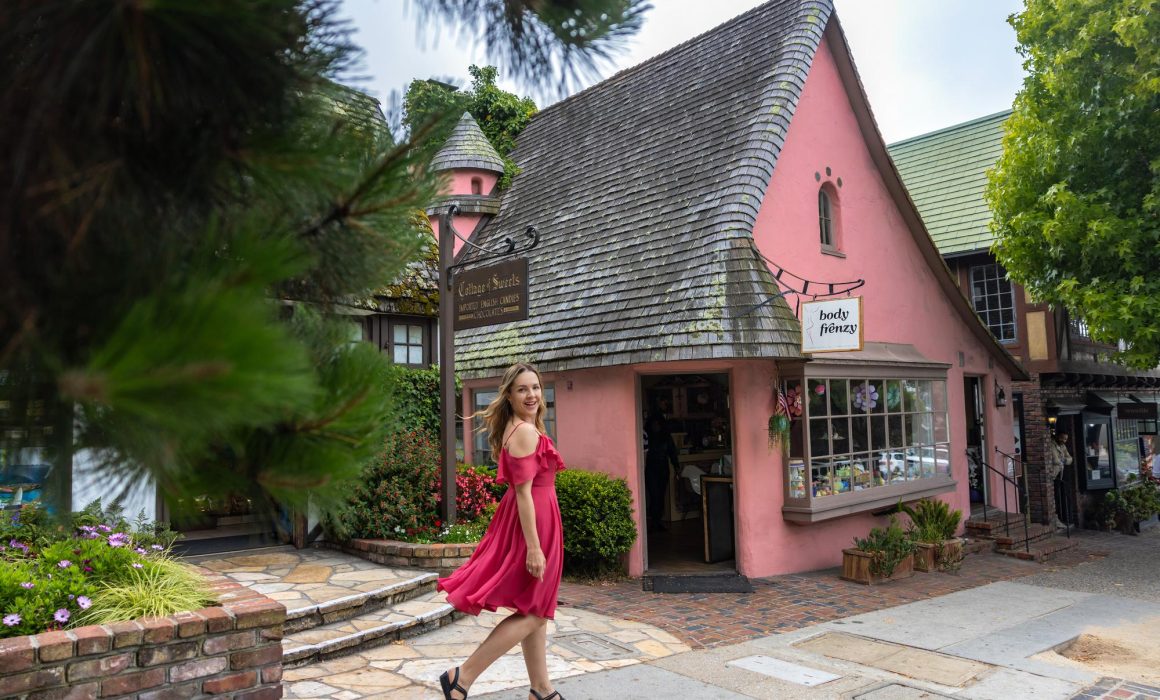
x,y
12,620
64,563
61,616
28,585
138,565
84,602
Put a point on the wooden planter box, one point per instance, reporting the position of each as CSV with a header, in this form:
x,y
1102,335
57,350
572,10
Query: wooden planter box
x,y
950,551
856,568
925,556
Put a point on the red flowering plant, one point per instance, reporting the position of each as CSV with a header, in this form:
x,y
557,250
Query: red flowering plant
x,y
399,494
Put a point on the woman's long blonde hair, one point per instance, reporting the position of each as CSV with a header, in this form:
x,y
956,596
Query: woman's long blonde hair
x,y
499,411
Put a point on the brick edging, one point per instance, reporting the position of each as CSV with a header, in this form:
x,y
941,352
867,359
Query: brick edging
x,y
442,557
233,650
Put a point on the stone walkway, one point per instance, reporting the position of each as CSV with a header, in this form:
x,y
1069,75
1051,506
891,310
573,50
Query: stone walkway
x,y
579,642
302,578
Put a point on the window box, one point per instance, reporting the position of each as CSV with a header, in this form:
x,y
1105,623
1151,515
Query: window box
x,y
867,429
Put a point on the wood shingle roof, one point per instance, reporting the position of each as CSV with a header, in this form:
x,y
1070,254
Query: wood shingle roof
x,y
467,147
645,189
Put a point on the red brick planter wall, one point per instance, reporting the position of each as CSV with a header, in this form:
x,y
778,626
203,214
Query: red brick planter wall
x,y
444,557
232,651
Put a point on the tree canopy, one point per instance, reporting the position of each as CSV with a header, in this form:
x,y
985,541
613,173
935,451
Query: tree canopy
x,y
500,114
190,203
1076,193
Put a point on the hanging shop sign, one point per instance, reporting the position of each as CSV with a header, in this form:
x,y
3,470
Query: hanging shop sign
x,y
1136,411
834,325
490,295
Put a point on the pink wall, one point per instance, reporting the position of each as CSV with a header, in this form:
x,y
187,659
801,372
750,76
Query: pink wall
x,y
458,182
903,302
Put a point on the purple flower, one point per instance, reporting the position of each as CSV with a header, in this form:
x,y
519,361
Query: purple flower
x,y
156,548
105,528
61,616
27,585
88,569
71,596
12,620
84,602
16,544
64,563
137,565
140,550
118,539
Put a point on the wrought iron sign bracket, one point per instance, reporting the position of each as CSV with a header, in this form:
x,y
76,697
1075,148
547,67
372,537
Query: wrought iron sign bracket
x,y
506,248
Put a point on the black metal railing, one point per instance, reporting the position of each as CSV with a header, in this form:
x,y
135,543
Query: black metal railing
x,y
1061,497
1006,507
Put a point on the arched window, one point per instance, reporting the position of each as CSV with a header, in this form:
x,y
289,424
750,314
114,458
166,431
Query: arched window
x,y
825,219
476,185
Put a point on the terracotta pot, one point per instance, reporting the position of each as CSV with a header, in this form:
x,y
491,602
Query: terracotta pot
x,y
951,552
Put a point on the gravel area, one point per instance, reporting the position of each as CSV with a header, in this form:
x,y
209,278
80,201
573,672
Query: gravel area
x,y
1131,568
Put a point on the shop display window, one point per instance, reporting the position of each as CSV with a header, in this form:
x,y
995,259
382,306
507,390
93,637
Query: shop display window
x,y
852,438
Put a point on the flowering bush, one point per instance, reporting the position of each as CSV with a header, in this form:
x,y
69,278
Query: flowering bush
x,y
398,497
473,491
54,576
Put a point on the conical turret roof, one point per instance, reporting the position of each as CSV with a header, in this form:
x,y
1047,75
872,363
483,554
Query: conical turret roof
x,y
467,147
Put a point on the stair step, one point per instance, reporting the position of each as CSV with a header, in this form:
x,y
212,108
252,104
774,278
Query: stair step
x,y
374,628
1018,536
1042,550
338,610
996,520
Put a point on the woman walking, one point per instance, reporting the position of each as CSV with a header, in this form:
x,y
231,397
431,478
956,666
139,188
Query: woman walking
x,y
520,559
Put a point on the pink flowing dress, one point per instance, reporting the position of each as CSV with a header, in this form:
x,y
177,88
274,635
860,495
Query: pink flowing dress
x,y
496,575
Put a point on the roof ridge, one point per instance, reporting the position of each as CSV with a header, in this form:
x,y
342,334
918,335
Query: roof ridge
x,y
946,129
647,63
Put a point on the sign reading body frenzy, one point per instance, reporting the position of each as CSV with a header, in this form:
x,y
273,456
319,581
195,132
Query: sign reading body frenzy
x,y
493,294
833,325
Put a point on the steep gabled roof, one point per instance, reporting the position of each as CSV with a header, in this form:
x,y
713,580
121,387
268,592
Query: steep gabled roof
x,y
645,189
467,147
945,173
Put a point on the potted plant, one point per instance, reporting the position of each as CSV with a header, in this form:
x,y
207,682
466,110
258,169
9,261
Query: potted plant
x,y
886,553
933,526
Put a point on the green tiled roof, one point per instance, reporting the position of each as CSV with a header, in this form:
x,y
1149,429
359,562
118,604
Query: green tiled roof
x,y
945,173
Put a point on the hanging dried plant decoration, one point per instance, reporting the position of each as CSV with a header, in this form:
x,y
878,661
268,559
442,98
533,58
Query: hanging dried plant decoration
x,y
779,422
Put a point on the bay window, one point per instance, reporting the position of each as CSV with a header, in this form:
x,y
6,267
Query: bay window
x,y
861,439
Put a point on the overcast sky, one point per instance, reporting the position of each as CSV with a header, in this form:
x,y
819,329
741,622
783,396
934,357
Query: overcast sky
x,y
926,64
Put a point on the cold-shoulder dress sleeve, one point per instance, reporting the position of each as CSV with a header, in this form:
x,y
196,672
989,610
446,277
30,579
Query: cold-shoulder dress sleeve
x,y
517,470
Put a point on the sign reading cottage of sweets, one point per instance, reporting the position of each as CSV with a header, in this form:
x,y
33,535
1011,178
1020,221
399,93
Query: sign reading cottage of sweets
x,y
498,293
833,325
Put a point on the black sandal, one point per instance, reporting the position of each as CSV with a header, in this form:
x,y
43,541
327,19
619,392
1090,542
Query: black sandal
x,y
553,694
449,684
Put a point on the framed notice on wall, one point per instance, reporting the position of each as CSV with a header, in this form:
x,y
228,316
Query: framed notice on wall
x,y
834,325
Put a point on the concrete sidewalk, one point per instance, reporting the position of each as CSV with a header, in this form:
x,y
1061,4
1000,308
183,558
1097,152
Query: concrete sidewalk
x,y
995,642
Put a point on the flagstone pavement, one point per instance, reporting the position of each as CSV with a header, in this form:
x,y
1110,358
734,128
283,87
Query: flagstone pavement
x,y
580,641
598,627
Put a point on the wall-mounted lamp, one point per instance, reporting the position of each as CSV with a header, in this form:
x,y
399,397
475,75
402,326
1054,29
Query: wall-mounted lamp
x,y
1000,396
1051,421
1052,412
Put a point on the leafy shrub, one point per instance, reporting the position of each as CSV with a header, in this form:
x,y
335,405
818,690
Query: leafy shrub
x,y
417,398
598,526
1136,501
53,575
886,546
398,495
932,520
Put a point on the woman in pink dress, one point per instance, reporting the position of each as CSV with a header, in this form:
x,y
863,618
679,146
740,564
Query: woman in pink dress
x,y
520,559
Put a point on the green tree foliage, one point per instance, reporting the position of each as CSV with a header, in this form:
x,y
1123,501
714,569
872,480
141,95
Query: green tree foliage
x,y
1076,193
190,199
500,114
531,37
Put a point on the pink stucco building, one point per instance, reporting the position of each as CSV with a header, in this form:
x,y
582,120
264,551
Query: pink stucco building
x,y
689,206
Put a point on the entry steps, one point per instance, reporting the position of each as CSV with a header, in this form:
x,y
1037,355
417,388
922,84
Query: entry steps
x,y
1006,531
363,620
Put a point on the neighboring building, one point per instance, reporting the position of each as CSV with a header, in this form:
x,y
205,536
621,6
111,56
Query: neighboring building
x,y
669,199
1073,384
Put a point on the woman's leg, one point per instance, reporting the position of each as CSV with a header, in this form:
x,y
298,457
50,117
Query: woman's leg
x,y
535,647
511,631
